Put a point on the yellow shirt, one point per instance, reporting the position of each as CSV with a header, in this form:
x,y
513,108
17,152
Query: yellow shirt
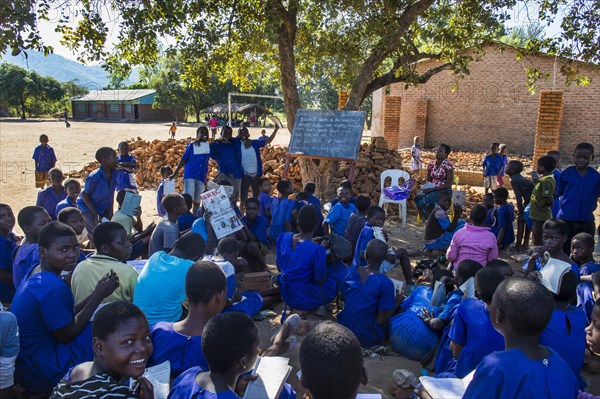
x,y
87,274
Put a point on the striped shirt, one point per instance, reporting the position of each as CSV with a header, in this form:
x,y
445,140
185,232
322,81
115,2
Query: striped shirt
x,y
99,386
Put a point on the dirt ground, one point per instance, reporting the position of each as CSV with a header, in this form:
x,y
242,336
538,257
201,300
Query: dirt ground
x,y
76,146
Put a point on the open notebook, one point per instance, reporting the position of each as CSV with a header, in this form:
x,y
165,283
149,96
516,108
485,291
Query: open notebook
x,y
272,373
159,376
446,388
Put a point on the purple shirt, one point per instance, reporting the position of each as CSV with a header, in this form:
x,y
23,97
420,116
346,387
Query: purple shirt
x,y
49,199
100,190
477,243
44,158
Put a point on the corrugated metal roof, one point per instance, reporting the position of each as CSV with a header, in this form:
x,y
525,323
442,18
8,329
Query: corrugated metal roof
x,y
113,95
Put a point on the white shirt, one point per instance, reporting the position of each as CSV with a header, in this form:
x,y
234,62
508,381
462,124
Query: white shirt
x,y
249,163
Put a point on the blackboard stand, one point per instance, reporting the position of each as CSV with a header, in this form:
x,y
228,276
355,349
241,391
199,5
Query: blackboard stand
x,y
288,157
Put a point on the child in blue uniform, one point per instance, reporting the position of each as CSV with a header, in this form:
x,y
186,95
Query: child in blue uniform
x,y
73,218
303,279
229,343
331,362
310,188
126,169
493,165
582,249
281,210
505,217
122,347
472,334
556,173
165,172
565,331
370,298
520,311
8,244
31,219
181,342
439,229
53,336
186,220
340,213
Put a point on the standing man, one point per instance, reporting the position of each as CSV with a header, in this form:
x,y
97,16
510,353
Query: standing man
x,y
226,151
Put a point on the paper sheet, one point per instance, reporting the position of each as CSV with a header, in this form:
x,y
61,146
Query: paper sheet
x,y
130,202
168,186
446,388
272,373
201,149
553,272
368,396
468,288
398,285
159,376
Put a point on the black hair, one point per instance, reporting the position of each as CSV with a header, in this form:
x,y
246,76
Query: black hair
x,y
171,201
486,282
497,264
43,136
283,186
52,231
189,201
553,153
496,144
517,166
376,251
547,162
584,147
501,193
444,276
478,215
586,238
568,287
121,195
26,215
252,200
331,361
447,148
226,338
466,269
526,304
363,202
556,224
203,280
373,210
191,244
121,143
308,219
71,181
263,179
310,187
110,317
346,184
65,213
53,171
301,196
2,206
104,152
165,169
104,233
444,193
202,129
488,195
228,244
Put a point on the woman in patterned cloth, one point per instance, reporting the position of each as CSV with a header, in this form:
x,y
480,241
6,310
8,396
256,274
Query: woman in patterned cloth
x,y
440,173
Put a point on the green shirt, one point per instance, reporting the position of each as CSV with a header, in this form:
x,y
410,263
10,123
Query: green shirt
x,y
544,189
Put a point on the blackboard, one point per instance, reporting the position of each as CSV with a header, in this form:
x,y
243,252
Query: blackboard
x,y
327,134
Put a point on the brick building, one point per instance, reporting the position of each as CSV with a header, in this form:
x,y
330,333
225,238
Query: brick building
x,y
120,104
492,104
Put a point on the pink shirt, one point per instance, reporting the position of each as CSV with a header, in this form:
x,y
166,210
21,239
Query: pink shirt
x,y
477,243
213,122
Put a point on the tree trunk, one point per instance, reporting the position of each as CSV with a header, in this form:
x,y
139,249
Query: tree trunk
x,y
287,62
23,110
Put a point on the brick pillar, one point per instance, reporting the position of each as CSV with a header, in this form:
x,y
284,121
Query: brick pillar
x,y
377,113
391,120
413,122
342,98
550,113
421,125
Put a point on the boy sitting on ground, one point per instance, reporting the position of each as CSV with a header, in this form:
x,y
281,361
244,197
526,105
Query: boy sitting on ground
x,y
49,197
167,231
340,213
439,228
257,244
73,218
357,220
141,237
72,188
505,216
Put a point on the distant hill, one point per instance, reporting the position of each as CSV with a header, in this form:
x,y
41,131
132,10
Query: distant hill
x,y
62,69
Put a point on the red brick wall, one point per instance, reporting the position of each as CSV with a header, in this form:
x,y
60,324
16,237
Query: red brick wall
x,y
550,113
392,108
342,98
493,104
413,122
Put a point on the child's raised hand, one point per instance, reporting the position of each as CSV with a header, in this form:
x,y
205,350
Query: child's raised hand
x,y
144,389
137,212
107,284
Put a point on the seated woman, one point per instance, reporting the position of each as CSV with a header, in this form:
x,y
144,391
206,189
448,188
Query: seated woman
x,y
303,280
440,173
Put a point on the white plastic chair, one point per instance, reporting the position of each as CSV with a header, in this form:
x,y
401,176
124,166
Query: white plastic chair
x,y
395,175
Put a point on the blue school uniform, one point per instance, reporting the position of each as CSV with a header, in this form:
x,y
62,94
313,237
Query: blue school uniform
x,y
49,199
556,204
196,166
186,221
444,360
490,219
336,272
338,217
314,201
186,387
182,351
43,304
302,268
505,216
585,299
363,300
497,376
25,257
258,229
281,213
351,200
159,196
200,227
66,203
123,181
265,201
420,298
565,334
7,248
578,194
493,165
227,157
366,235
442,242
44,158
100,190
473,330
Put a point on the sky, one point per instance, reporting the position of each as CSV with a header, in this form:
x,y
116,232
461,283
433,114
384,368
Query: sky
x,y
519,15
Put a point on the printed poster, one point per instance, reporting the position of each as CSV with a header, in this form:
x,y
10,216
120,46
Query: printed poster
x,y
223,218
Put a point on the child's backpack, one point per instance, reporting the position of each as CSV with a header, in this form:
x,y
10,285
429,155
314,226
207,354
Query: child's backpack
x,y
399,193
340,247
